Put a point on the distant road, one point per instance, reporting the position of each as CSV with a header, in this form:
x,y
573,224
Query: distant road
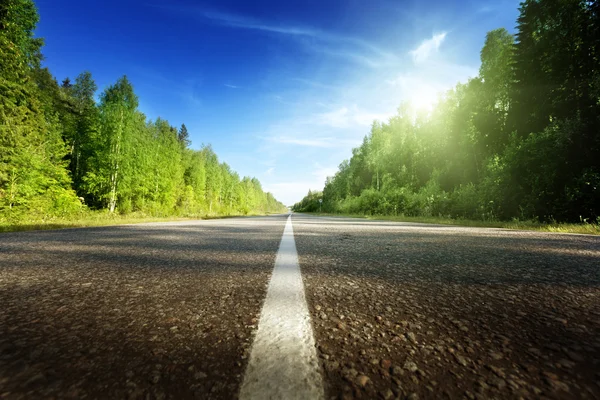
x,y
386,310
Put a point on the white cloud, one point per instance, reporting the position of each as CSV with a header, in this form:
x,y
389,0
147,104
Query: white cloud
x,y
270,171
324,142
427,48
339,118
344,117
231,86
239,21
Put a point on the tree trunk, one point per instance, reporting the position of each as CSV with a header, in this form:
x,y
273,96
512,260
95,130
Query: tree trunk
x,y
112,204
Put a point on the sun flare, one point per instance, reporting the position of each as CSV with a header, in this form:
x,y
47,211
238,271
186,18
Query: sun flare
x,y
424,98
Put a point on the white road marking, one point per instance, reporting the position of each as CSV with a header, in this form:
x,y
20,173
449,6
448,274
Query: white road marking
x,y
283,361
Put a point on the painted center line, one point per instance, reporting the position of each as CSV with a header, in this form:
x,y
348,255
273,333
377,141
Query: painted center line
x,y
283,361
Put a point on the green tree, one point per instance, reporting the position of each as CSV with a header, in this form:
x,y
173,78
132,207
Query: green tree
x,y
33,177
183,136
86,115
118,106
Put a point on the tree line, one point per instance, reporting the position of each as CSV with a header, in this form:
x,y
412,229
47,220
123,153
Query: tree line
x,y
520,140
61,151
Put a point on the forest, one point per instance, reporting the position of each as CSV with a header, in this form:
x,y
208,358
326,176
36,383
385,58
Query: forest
x,y
521,141
65,151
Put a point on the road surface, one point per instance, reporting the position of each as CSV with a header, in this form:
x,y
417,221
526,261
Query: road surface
x,y
358,309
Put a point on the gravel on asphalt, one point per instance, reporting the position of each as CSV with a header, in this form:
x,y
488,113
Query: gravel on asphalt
x,y
421,311
149,311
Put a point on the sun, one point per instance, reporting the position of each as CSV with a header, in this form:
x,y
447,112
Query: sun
x,y
424,98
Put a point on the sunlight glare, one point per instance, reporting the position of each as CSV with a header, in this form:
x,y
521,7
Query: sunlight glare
x,y
424,98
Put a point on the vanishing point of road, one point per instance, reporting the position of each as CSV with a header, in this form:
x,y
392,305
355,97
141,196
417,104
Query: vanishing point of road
x,y
298,307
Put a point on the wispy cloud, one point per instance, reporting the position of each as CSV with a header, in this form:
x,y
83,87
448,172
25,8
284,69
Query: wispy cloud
x,y
317,84
335,45
231,86
322,173
360,50
344,117
427,48
270,171
365,58
240,21
312,142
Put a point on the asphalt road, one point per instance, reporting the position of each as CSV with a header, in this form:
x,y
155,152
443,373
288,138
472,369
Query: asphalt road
x,y
169,311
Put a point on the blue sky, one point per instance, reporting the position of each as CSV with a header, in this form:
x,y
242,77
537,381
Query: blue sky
x,y
283,90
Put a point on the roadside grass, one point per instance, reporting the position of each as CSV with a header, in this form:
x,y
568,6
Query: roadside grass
x,y
582,228
96,218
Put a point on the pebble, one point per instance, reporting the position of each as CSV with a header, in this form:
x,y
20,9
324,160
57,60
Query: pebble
x,y
351,372
387,394
362,380
482,384
411,336
332,365
461,360
410,366
497,371
498,382
155,377
534,351
200,375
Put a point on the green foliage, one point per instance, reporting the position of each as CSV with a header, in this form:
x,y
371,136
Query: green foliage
x,y
521,140
33,178
55,141
312,202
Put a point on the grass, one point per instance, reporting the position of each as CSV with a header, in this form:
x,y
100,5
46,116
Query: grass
x,y
582,228
93,218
